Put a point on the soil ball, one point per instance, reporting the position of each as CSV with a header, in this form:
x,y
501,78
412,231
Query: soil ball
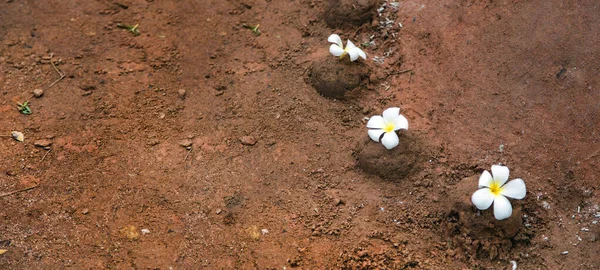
x,y
397,163
350,13
337,78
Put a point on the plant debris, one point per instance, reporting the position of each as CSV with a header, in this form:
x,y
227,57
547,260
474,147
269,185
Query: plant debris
x,y
131,28
254,29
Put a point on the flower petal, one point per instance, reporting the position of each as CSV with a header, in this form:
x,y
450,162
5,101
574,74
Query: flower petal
x,y
336,50
482,198
376,121
336,39
356,51
375,134
362,54
502,208
400,123
485,180
390,140
353,54
350,46
500,174
390,114
514,189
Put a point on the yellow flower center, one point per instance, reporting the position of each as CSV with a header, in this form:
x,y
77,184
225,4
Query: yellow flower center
x,y
388,127
343,54
495,188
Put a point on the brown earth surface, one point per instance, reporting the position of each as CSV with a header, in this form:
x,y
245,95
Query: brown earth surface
x,y
198,144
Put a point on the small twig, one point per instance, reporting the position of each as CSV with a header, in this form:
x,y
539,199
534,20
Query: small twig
x,y
185,165
188,153
54,66
44,157
401,72
62,75
18,191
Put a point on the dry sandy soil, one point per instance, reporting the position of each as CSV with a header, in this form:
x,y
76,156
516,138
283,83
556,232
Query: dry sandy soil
x,y
273,175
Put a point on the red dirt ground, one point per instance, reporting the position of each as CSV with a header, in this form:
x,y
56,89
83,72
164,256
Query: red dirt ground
x,y
486,82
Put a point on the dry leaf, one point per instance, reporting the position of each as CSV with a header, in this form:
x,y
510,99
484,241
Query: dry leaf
x,y
2,251
131,232
253,232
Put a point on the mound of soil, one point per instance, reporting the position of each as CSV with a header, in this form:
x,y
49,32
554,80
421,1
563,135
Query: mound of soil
x,y
338,78
397,163
477,233
350,13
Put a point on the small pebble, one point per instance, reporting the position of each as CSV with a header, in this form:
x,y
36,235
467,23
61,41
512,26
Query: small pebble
x,y
153,142
248,140
218,211
186,143
145,231
42,143
362,253
181,93
18,136
85,211
38,93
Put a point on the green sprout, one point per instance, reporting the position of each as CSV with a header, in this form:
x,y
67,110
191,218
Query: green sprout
x,y
24,107
133,29
253,28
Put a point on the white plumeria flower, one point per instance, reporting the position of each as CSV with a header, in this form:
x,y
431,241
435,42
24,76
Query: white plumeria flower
x,y
493,190
384,128
338,49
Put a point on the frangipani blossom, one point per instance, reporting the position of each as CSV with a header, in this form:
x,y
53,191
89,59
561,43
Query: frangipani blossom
x,y
494,189
338,49
383,128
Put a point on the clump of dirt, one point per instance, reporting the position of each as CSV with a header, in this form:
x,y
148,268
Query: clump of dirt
x,y
335,78
394,164
477,233
350,13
